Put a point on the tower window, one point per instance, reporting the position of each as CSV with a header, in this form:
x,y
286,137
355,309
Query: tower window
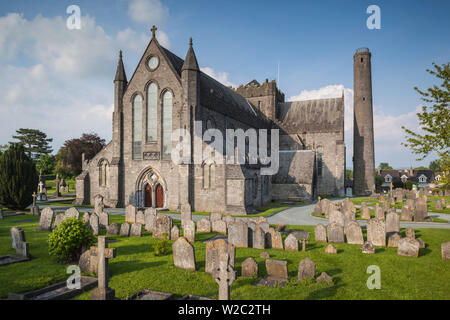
x,y
319,161
362,59
152,120
167,125
137,127
364,98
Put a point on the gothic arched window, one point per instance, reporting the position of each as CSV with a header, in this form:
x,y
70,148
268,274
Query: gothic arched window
x,y
319,161
103,173
167,124
137,127
152,113
209,175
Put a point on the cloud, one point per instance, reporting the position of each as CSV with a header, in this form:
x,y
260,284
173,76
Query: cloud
x,y
148,12
222,77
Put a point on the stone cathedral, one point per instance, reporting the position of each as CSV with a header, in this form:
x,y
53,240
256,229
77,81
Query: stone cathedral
x,y
166,92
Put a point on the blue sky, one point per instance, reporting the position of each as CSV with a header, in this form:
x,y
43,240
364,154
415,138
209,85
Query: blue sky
x,y
60,80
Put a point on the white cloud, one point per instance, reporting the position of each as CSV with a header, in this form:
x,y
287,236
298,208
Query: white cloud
x,y
148,12
222,77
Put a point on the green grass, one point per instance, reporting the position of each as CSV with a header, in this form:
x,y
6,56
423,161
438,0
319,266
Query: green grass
x,y
136,267
66,203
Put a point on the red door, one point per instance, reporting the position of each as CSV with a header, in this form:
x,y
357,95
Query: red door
x,y
159,196
148,196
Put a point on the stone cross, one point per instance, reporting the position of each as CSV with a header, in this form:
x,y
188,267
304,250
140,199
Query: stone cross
x,y
34,199
224,276
103,253
153,30
303,244
57,192
41,187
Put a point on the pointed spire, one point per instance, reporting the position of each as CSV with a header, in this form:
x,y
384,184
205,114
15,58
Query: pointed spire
x,y
120,73
190,63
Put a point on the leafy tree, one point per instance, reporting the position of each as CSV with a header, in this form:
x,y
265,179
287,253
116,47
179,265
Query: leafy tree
x,y
46,163
18,178
385,166
348,174
34,141
68,159
435,165
3,148
421,168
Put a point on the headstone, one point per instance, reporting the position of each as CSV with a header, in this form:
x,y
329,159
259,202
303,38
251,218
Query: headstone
x,y
183,254
277,269
306,269
228,219
421,243
274,239
393,240
17,236
392,223
125,229
406,214
163,226
215,216
264,255
411,204
410,233
112,229
421,209
291,243
264,225
86,217
251,228
336,217
213,250
318,209
186,213
57,191
103,253
238,234
140,218
330,249
203,225
365,211
34,208
368,248
408,247
130,214
219,226
136,230
94,223
103,219
174,233
249,268
438,205
379,212
59,217
259,238
98,204
376,232
224,276
324,277
189,230
354,233
45,222
88,263
150,219
320,233
445,250
335,233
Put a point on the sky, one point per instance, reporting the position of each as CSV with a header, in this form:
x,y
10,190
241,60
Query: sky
x,y
60,81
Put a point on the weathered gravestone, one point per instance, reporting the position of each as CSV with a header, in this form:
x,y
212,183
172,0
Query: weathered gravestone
x,y
330,249
174,233
219,226
249,268
259,238
438,205
34,208
291,243
130,214
393,240
411,204
421,209
365,211
140,217
103,253
125,229
264,225
318,209
186,213
376,232
215,216
274,239
306,269
445,250
251,227
136,230
112,229
59,217
163,226
224,276
86,217
276,271
150,219
189,230
368,248
379,212
335,233
213,250
410,233
45,222
238,234
183,254
406,214
320,233
336,217
94,223
103,220
324,277
392,223
354,233
408,247
98,204
203,225
19,243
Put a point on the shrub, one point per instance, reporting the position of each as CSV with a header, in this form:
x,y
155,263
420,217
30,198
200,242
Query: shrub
x,y
409,184
162,248
67,240
397,184
18,178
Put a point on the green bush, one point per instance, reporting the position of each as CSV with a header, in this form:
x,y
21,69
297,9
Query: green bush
x,y
18,178
397,184
67,240
162,248
409,184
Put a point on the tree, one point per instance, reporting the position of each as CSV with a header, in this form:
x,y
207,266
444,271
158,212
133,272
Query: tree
x,y
435,165
3,148
68,159
385,166
46,163
421,168
348,174
34,141
18,178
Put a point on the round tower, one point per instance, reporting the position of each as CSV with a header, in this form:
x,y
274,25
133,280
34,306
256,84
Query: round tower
x,y
363,139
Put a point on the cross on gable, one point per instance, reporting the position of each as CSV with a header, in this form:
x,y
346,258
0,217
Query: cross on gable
x,y
153,30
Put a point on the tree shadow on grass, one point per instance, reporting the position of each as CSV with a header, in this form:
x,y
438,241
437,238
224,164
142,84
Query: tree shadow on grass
x,y
134,249
425,251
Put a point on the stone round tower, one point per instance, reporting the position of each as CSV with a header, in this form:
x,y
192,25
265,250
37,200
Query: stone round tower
x,y
363,140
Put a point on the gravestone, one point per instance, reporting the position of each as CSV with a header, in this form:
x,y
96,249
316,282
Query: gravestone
x,y
408,247
291,243
183,254
277,270
379,212
330,249
336,217
324,277
125,229
264,255
228,219
34,208
103,253
411,204
224,276
238,234
264,225
354,233
112,229
445,250
103,219
215,216
186,213
410,233
19,243
376,232
320,233
259,238
163,226
393,240
306,269
421,243
136,230
274,239
318,209
251,227
57,191
86,217
335,233
94,223
219,226
421,209
130,214
368,248
98,204
203,225
150,219
392,223
406,214
140,218
249,268
59,217
213,250
365,211
189,230
438,205
45,222
174,233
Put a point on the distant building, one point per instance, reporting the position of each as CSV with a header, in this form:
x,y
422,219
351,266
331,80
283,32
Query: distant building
x,y
423,178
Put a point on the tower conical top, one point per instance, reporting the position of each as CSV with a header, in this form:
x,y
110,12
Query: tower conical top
x,y
120,72
190,63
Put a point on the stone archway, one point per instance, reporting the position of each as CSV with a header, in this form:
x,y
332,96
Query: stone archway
x,y
151,189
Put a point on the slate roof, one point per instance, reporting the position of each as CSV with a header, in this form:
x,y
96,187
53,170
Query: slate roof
x,y
397,174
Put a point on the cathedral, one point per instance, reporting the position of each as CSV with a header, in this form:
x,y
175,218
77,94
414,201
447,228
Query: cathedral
x,y
166,93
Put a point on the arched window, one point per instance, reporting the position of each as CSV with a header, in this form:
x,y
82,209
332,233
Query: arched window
x,y
152,112
103,173
319,161
167,124
205,176
137,127
209,175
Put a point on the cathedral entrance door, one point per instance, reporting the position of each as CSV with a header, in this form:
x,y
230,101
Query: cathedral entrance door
x,y
148,196
159,196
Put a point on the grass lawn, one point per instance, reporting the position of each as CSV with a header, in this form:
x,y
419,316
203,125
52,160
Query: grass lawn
x,y
65,203
136,268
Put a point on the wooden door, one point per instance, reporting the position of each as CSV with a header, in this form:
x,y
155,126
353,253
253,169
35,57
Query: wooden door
x,y
148,196
159,196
